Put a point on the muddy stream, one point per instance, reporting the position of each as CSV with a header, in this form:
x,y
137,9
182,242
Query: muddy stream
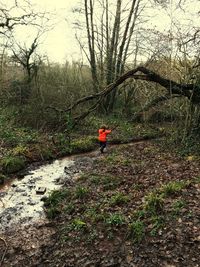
x,y
22,204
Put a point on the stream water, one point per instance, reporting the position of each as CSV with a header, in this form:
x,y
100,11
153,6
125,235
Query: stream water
x,y
19,201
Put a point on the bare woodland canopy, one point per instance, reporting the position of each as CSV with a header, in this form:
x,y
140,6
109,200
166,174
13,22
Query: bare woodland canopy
x,y
120,45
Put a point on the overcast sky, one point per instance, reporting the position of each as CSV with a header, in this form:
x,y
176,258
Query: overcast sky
x,y
60,44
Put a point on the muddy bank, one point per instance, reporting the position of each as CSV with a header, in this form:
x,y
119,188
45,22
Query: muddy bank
x,y
24,243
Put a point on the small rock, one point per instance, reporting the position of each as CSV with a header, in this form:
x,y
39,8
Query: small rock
x,y
19,190
32,203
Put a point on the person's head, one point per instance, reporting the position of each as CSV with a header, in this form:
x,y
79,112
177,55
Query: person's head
x,y
103,126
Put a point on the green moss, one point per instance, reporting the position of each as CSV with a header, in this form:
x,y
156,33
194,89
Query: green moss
x,y
12,164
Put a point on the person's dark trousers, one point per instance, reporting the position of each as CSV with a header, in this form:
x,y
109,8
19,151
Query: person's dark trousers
x,y
102,146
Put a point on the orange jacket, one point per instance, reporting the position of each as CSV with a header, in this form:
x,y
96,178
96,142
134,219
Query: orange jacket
x,y
103,134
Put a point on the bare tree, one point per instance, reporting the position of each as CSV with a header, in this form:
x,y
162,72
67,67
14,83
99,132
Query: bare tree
x,y
30,61
110,27
25,16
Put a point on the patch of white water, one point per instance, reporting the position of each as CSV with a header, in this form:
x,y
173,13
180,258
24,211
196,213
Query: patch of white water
x,y
19,204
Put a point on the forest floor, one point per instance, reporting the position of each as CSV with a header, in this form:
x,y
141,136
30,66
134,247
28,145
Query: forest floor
x,y
136,205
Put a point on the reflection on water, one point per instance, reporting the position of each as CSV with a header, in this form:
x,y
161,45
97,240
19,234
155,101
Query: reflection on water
x,y
19,202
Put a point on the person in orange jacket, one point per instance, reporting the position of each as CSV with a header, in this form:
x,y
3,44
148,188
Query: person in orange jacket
x,y
103,132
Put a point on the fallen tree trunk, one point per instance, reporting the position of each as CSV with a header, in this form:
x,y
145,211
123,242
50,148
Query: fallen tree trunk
x,y
187,90
191,91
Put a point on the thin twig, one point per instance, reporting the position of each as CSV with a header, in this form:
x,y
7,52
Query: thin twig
x,y
2,259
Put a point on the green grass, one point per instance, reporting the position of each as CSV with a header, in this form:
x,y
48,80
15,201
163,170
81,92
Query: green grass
x,y
94,214
137,187
69,208
157,224
110,182
118,199
153,203
106,181
197,180
139,214
95,179
173,187
78,225
125,130
136,231
53,212
12,164
56,197
81,192
115,219
177,206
